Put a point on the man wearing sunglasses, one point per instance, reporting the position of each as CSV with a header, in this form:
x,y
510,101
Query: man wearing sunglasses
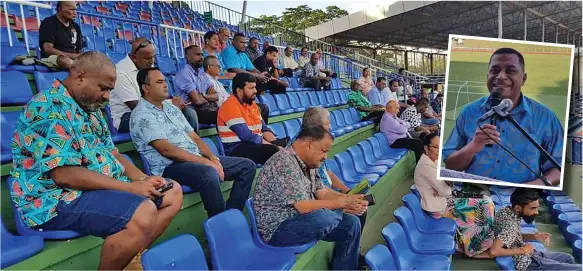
x,y
126,94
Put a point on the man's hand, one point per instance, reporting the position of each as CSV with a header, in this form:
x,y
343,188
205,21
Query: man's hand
x,y
543,237
157,181
435,193
260,77
176,101
528,248
480,139
219,167
144,188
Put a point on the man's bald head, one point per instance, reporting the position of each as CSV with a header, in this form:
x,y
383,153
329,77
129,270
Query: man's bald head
x,y
90,80
143,53
392,107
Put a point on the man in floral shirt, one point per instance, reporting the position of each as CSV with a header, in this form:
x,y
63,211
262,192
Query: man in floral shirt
x,y
412,115
293,207
68,174
509,240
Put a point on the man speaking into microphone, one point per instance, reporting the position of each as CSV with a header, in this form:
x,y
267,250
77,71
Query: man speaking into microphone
x,y
474,151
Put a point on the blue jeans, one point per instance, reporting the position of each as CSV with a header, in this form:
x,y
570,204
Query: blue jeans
x,y
332,226
429,121
99,212
205,180
547,260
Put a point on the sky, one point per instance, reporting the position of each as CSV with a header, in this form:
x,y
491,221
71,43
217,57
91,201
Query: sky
x,y
256,8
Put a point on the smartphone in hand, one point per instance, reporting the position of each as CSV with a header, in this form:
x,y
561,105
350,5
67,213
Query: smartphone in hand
x,y
370,199
169,184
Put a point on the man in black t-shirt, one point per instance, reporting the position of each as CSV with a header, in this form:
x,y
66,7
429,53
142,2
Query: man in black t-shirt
x,y
266,63
61,40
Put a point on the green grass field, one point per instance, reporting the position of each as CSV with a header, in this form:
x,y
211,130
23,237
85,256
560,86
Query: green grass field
x,y
547,77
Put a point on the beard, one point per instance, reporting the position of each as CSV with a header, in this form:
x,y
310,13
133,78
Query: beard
x,y
248,100
528,218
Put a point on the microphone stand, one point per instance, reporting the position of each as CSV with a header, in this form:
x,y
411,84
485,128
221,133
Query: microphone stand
x,y
508,116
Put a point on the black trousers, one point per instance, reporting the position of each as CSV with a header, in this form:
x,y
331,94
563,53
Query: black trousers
x,y
259,153
413,144
318,83
207,116
264,109
374,116
272,85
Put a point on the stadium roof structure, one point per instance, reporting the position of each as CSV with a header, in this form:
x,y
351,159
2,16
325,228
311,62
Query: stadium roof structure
x,y
427,24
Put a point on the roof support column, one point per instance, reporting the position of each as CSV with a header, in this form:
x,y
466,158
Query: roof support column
x,y
557,33
431,63
543,23
525,26
499,19
406,53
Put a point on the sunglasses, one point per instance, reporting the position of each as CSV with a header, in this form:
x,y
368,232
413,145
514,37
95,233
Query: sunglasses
x,y
142,45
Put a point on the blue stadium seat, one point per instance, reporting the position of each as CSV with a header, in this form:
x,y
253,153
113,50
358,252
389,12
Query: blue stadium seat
x,y
342,122
213,146
294,84
278,130
566,219
283,104
181,252
336,129
24,230
507,191
14,88
268,100
380,152
166,65
292,127
333,166
380,258
4,32
116,136
577,250
415,192
294,102
349,120
420,243
573,232
116,57
552,200
332,98
304,99
44,80
232,247
356,116
425,223
259,241
507,263
360,165
385,146
349,174
314,99
323,100
370,158
406,259
563,208
15,249
171,89
8,121
338,94
9,53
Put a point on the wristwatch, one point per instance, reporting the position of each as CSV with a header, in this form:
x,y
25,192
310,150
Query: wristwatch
x,y
216,158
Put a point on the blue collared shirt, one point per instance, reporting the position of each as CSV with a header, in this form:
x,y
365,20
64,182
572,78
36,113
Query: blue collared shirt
x,y
493,162
149,123
235,59
188,80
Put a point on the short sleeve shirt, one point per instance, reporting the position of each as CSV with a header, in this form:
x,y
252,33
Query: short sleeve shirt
x,y
322,170
262,65
357,99
149,123
54,131
236,60
126,89
507,229
284,181
188,80
68,39
411,116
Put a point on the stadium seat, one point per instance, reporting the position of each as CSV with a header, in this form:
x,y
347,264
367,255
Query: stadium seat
x,y
292,127
323,100
116,136
17,248
369,157
314,99
507,263
380,258
8,55
4,32
405,258
182,252
8,121
577,250
232,247
283,104
563,208
342,122
278,130
356,116
44,80
552,200
336,129
268,100
566,219
349,174
507,191
420,243
304,99
294,102
382,139
217,150
415,192
425,223
349,120
360,165
15,89
573,232
332,98
24,230
116,57
259,241
166,65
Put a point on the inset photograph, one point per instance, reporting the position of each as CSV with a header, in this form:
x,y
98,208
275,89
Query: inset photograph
x,y
505,112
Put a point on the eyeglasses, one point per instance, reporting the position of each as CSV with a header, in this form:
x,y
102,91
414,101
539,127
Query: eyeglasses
x,y
142,45
433,146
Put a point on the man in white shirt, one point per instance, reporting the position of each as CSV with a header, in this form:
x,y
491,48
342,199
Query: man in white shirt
x,y
303,59
212,70
323,71
395,90
126,94
290,66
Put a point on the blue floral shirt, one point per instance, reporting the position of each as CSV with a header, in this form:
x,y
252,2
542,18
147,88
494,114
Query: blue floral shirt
x,y
54,131
149,123
538,120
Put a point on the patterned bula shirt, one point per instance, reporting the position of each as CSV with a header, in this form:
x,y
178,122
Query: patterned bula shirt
x,y
507,228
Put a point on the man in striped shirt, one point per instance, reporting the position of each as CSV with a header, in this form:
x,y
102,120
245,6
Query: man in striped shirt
x,y
241,127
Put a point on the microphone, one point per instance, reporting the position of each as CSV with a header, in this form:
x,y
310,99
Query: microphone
x,y
499,110
494,100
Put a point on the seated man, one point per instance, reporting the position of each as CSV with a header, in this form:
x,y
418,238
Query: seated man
x,y
366,110
212,71
429,117
252,50
397,131
366,81
224,34
68,174
412,115
290,66
173,150
266,63
211,46
293,207
323,71
311,75
380,94
509,240
437,103
194,88
241,129
126,94
60,37
303,59
396,92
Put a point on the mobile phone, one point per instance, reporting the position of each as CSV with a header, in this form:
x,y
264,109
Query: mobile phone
x,y
370,199
169,184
